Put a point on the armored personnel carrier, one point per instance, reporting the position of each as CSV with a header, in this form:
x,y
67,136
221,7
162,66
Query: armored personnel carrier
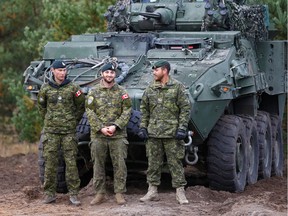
x,y
235,77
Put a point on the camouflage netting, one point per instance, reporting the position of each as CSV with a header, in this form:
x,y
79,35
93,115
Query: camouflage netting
x,y
250,20
228,15
117,17
223,15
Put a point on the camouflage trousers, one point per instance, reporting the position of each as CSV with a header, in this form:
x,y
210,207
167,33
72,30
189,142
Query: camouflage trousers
x,y
155,150
117,148
51,144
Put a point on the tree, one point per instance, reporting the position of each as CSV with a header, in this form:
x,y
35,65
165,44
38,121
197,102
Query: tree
x,y
25,27
61,19
14,16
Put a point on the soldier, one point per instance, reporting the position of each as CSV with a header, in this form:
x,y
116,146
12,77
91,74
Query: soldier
x,y
61,104
165,114
108,108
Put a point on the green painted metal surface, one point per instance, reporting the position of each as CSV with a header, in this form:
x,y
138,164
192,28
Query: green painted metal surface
x,y
226,67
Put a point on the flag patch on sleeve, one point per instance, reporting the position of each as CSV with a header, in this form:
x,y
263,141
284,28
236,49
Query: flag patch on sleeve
x,y
78,93
125,96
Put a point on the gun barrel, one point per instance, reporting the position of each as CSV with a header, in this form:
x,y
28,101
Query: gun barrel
x,y
149,15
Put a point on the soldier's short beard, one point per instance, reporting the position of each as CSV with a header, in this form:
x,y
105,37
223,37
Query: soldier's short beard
x,y
108,81
158,78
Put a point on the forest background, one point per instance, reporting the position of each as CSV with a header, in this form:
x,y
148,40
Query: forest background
x,y
27,25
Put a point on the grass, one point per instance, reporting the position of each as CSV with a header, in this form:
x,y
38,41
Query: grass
x,y
10,145
9,141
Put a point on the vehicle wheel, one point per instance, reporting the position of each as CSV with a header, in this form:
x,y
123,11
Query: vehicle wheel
x,y
83,129
133,125
265,144
253,148
227,155
277,146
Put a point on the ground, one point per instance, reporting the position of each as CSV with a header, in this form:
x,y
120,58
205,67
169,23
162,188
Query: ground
x,y
21,194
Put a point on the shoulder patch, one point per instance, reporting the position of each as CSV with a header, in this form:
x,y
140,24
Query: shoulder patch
x,y
78,93
41,99
125,96
90,100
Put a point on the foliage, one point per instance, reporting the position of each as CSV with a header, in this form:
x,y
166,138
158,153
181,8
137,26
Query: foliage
x,y
278,15
61,19
15,14
7,100
25,27
26,118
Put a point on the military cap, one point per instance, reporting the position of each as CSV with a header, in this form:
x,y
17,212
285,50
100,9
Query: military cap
x,y
58,64
161,63
108,66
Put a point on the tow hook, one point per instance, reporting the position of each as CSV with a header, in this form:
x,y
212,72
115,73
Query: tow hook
x,y
190,134
191,150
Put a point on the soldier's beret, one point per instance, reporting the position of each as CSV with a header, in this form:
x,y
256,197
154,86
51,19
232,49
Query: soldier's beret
x,y
108,66
58,64
161,63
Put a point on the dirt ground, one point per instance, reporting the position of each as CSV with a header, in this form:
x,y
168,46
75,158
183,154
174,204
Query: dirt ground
x,y
21,194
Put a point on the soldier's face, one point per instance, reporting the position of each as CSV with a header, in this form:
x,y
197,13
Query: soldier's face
x,y
158,73
59,74
109,76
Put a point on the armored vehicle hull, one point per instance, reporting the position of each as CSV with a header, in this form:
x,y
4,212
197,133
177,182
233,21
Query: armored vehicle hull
x,y
236,80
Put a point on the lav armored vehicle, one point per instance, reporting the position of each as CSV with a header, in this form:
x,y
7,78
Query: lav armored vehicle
x,y
234,74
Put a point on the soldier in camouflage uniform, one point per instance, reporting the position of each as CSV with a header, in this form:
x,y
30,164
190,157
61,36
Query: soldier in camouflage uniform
x,y
165,114
61,104
108,108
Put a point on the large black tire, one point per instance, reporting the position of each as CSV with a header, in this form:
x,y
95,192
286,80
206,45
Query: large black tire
x,y
83,129
277,146
253,148
136,158
265,144
227,155
133,125
84,163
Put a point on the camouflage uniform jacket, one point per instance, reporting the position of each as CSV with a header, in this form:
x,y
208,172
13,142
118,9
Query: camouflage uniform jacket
x,y
61,106
165,109
108,106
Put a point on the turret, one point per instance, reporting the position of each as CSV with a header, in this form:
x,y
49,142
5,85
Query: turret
x,y
155,15
187,15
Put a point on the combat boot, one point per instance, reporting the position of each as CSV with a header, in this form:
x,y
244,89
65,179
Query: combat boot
x,y
99,198
120,199
152,194
74,200
180,196
49,199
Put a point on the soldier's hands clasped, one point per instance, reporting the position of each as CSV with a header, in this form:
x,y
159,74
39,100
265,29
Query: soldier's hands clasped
x,y
181,134
143,133
107,131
